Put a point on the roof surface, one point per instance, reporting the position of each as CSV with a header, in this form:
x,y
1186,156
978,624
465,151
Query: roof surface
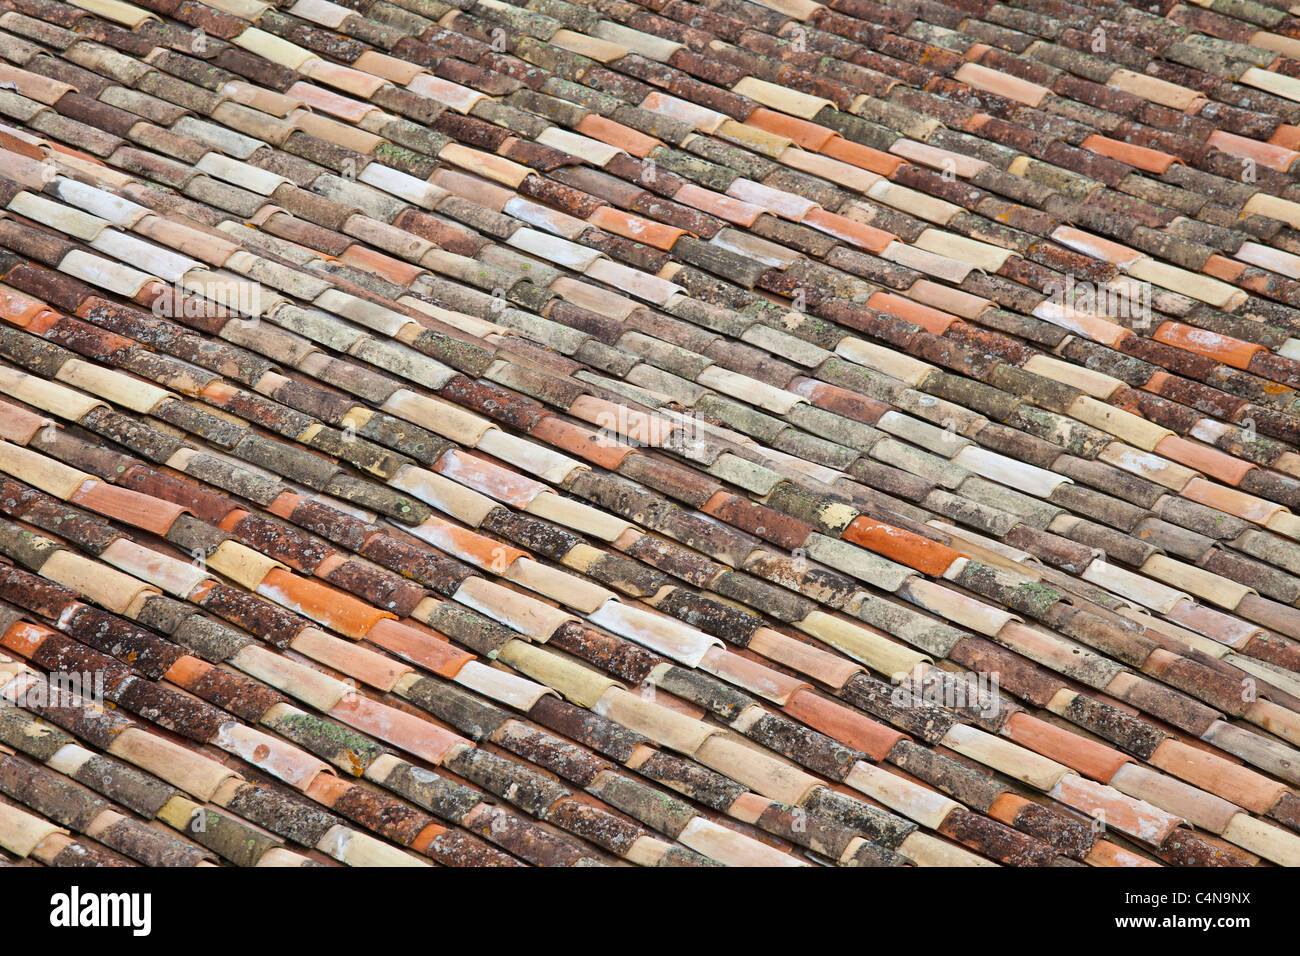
x,y
667,433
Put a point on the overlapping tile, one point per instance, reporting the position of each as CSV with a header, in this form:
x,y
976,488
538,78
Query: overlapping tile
x,y
662,433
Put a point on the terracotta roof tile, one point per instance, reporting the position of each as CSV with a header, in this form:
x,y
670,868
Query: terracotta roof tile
x,y
873,367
